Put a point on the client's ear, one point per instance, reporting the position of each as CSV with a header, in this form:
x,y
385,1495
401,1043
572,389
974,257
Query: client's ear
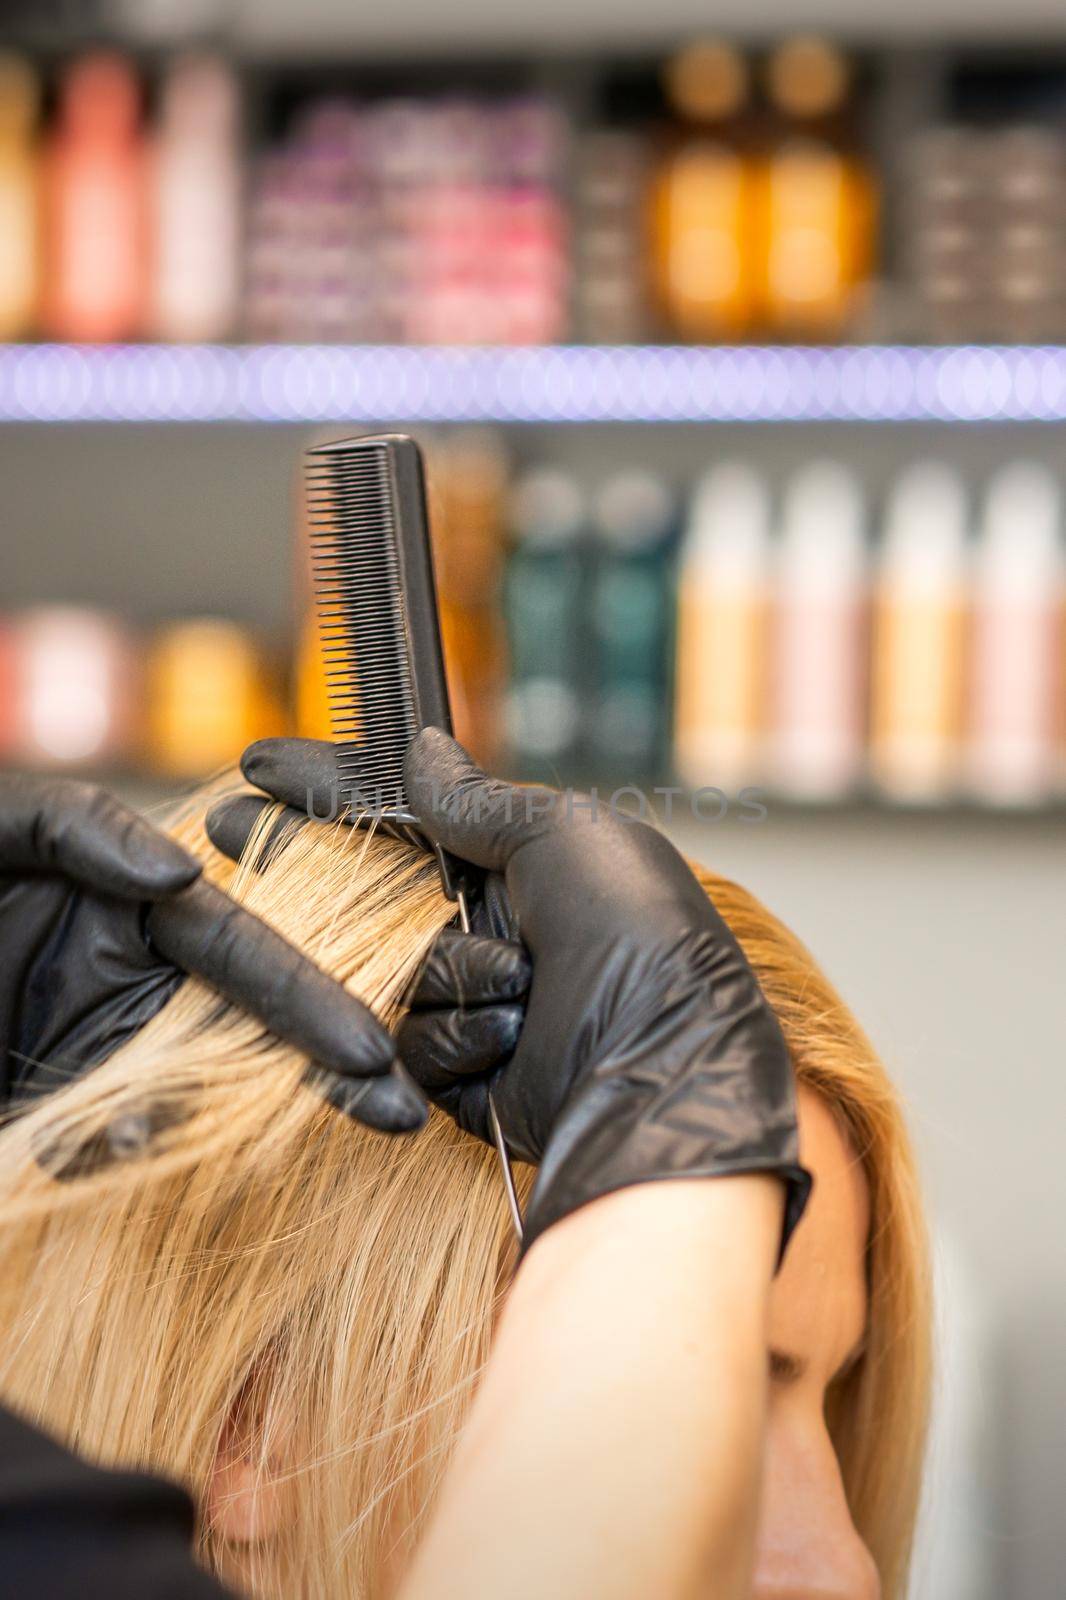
x,y
243,1499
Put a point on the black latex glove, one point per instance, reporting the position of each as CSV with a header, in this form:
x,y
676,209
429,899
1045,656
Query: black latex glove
x,y
466,1006
648,1051
101,917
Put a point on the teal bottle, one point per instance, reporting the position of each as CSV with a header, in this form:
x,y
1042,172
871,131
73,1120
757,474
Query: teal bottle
x,y
631,616
544,603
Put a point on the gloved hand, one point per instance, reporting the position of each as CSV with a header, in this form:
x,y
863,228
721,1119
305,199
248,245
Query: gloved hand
x,y
101,917
648,1050
466,1007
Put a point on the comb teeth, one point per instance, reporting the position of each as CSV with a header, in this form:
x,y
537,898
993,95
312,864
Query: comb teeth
x,y
358,568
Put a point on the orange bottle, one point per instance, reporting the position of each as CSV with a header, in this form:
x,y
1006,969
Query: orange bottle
x,y
209,696
722,616
95,216
18,197
702,197
468,487
918,670
816,199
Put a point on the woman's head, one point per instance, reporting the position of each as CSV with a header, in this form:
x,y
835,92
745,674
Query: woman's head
x,y
808,1544
289,1313
872,1303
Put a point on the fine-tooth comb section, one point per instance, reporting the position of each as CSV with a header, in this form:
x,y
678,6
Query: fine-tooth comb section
x,y
377,611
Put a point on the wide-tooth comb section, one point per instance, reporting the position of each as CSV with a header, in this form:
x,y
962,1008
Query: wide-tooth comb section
x,y
359,587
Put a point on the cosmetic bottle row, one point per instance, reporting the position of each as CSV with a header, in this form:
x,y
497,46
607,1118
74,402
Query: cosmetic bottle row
x,y
713,196
410,220
722,213
109,230
82,691
749,211
799,638
983,233
413,221
86,691
788,643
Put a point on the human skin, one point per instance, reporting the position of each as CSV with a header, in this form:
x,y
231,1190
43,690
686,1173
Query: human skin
x,y
614,1448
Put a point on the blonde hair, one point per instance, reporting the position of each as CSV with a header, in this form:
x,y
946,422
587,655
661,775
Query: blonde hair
x,y
273,1281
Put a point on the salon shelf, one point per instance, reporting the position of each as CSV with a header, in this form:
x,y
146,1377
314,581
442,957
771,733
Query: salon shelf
x,y
532,384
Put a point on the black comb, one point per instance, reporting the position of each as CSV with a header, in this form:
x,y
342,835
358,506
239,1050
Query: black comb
x,y
378,619
380,630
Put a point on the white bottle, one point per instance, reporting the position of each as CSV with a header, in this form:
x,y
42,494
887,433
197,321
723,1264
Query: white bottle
x,y
74,685
819,594
723,584
1018,575
918,640
196,203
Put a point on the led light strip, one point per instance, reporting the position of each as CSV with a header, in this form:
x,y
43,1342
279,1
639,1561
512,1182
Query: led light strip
x,y
565,383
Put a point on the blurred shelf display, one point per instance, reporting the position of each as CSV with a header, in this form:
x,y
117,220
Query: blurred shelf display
x,y
707,232
83,690
804,643
733,637
793,191
532,384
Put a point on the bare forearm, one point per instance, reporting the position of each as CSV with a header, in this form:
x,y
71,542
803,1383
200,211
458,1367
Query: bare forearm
x,y
614,1447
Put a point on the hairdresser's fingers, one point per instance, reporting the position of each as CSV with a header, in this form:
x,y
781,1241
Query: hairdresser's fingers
x,y
391,1104
479,819
202,931
466,970
230,824
442,1047
79,831
299,772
